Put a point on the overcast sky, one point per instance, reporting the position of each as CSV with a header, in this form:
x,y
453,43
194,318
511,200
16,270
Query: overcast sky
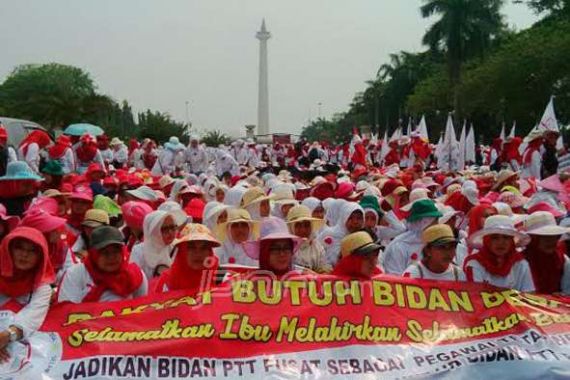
x,y
158,54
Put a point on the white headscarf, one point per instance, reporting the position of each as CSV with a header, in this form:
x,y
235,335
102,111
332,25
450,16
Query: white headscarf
x,y
234,196
312,203
332,237
155,252
211,214
179,184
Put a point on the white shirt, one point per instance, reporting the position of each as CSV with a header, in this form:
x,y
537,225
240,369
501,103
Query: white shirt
x,y
67,161
121,155
519,278
35,309
12,155
164,164
419,270
32,156
230,253
77,283
137,257
107,155
401,253
82,166
197,159
533,169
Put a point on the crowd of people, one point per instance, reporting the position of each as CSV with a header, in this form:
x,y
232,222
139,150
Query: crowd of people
x,y
85,219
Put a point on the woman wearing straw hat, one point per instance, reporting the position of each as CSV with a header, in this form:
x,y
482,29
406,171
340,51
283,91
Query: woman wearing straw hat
x,y
438,255
238,229
498,262
358,257
311,253
256,202
545,257
120,153
194,262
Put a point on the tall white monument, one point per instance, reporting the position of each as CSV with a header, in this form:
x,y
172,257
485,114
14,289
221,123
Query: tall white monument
x,y
263,95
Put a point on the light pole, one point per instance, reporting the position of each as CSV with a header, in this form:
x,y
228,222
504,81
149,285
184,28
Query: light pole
x,y
319,104
188,126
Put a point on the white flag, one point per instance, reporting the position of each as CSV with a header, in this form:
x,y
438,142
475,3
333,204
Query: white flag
x,y
462,137
549,122
450,150
502,136
384,149
470,146
422,128
513,131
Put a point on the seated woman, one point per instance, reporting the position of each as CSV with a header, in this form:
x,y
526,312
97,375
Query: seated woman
x,y
437,256
358,257
134,214
194,263
311,254
93,218
153,254
275,249
315,206
106,274
498,262
238,229
25,278
215,213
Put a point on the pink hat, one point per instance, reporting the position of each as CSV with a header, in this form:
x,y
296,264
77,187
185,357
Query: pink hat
x,y
82,192
134,213
271,229
42,221
47,204
545,206
11,220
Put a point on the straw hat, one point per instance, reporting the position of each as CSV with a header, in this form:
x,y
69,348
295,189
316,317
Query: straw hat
x,y
197,232
54,193
165,180
236,215
439,234
499,225
358,243
271,229
303,214
415,196
95,218
542,223
115,141
255,195
503,176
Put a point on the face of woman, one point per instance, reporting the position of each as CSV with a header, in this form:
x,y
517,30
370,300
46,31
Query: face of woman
x,y
500,245
264,208
369,263
168,230
220,195
438,258
355,222
239,232
223,217
110,258
80,207
370,219
285,209
280,254
25,254
319,213
547,244
61,206
198,251
303,229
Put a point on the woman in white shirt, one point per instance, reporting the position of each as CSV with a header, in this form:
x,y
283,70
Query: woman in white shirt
x,y
437,256
238,229
311,253
25,278
498,262
105,275
30,147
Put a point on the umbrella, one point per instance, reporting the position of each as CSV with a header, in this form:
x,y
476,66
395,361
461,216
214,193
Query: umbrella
x,y
83,128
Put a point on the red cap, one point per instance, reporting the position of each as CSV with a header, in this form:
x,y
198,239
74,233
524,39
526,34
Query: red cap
x,y
545,206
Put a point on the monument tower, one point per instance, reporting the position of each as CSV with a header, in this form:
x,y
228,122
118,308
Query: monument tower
x,y
263,92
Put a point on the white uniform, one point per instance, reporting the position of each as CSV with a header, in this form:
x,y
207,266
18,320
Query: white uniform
x,y
533,168
32,156
77,283
419,270
121,155
35,309
519,278
67,161
196,159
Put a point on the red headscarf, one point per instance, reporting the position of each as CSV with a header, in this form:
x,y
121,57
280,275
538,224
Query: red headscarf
x,y
87,148
181,276
124,282
496,146
475,216
103,142
351,266
37,136
62,143
512,150
133,144
546,269
3,135
532,147
459,202
489,260
264,259
14,283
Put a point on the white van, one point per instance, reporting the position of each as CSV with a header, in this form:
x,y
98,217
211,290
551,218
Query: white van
x,y
18,129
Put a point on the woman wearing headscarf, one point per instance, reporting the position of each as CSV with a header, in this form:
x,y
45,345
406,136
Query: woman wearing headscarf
x,y
238,229
358,257
215,213
104,148
315,205
498,262
477,216
134,214
545,256
275,249
195,263
167,158
350,219
494,157
438,255
86,153
26,276
31,146
386,225
61,152
106,275
18,187
406,247
256,202
532,158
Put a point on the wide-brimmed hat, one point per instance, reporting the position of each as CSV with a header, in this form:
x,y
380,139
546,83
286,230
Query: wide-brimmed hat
x,y
10,219
174,144
499,225
370,202
165,180
95,218
115,141
358,243
54,193
237,215
255,195
134,213
416,195
302,213
197,232
53,168
448,213
21,171
513,200
439,234
144,193
213,208
545,206
105,236
543,223
175,211
108,205
503,176
424,208
271,229
42,221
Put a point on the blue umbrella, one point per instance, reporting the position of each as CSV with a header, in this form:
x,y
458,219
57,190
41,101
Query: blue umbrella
x,y
82,128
